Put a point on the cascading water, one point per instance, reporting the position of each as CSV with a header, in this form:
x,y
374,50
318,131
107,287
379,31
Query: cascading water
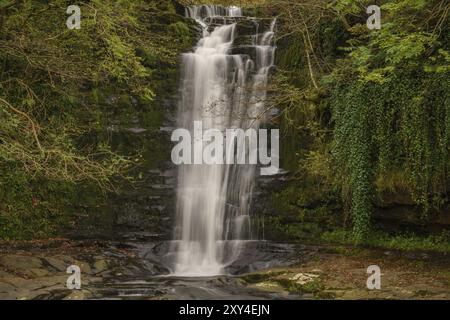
x,y
223,88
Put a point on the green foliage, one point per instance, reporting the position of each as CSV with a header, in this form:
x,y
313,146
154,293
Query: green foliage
x,y
391,112
406,241
379,105
181,30
315,286
303,211
60,90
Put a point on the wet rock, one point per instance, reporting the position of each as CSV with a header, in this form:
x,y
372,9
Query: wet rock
x,y
257,255
159,208
244,40
6,287
270,286
303,278
84,267
4,274
7,296
141,236
245,26
18,262
249,51
167,129
161,186
56,263
356,294
169,173
35,272
17,282
58,280
76,295
137,130
29,288
100,266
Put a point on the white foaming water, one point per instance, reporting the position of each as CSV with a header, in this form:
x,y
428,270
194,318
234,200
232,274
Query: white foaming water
x,y
222,90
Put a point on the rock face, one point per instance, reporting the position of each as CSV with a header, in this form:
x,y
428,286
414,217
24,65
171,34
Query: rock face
x,y
141,208
56,263
398,210
20,262
245,26
31,273
267,271
329,274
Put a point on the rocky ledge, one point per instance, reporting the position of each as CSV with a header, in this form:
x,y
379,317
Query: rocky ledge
x,y
340,272
117,270
38,270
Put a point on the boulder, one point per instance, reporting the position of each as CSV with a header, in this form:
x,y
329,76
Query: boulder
x,y
56,263
19,262
6,287
100,265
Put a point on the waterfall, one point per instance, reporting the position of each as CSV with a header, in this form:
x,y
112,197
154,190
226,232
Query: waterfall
x,y
223,86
